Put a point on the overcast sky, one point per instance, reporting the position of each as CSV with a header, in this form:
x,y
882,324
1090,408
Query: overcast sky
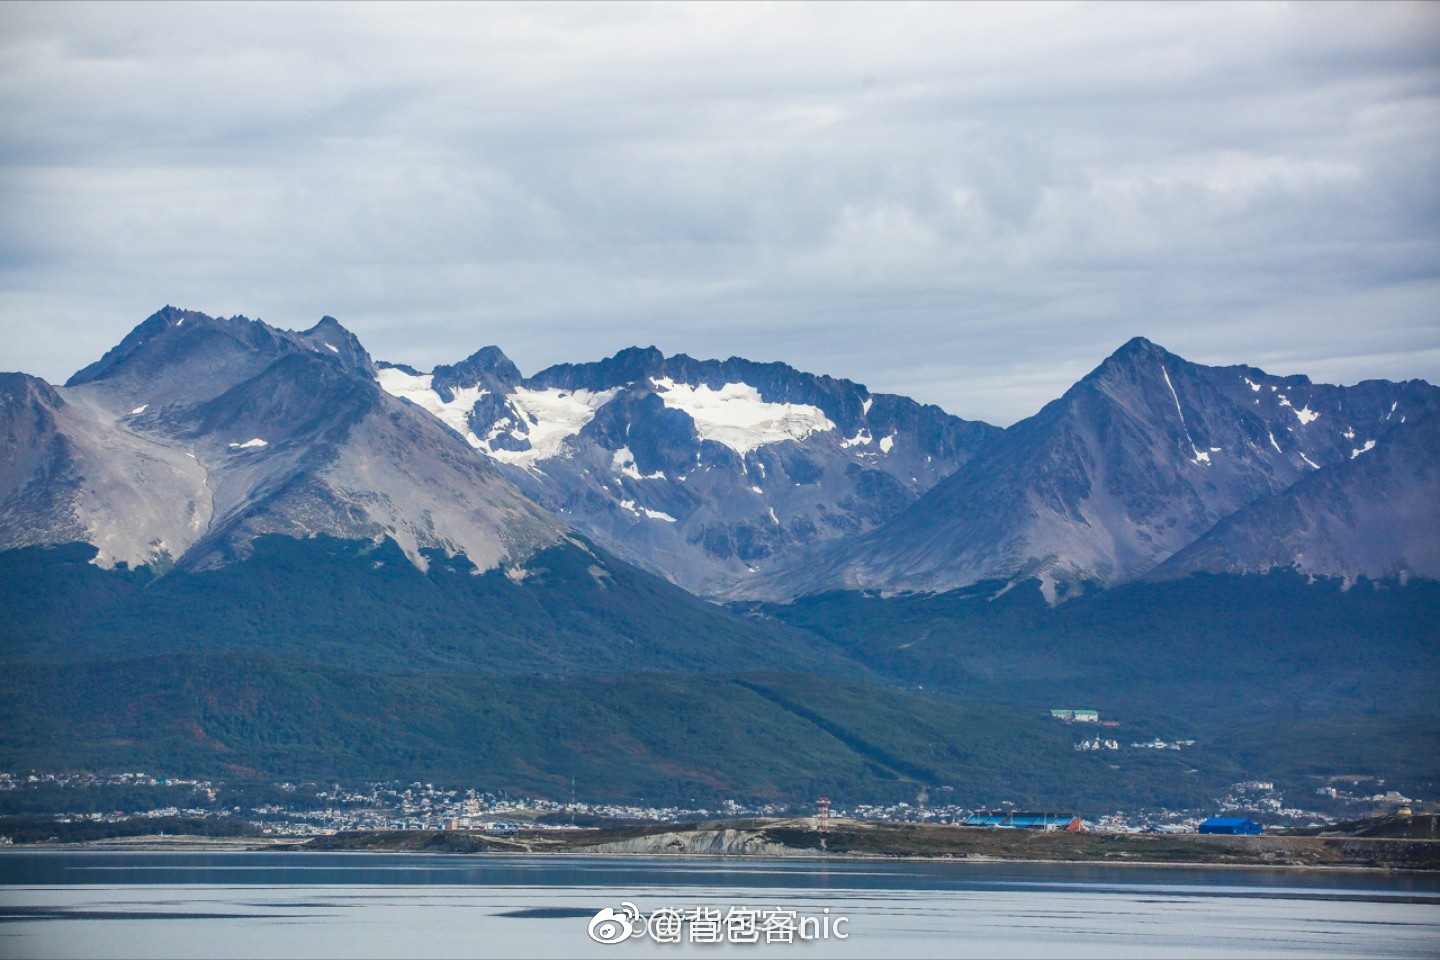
x,y
969,204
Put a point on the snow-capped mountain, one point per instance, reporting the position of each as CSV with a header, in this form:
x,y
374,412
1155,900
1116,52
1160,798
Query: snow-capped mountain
x,y
714,473
197,434
1138,460
1375,516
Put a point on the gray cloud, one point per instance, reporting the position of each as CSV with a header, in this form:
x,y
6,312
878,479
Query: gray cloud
x,y
969,204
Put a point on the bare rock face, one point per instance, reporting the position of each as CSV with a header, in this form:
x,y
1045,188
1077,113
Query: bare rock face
x,y
1375,516
197,434
37,464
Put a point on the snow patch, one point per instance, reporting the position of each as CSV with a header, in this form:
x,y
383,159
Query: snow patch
x,y
332,348
417,390
1271,435
757,490
623,463
886,443
139,409
736,416
646,512
862,436
1392,409
251,444
773,519
1307,415
1349,433
1252,384
548,418
1312,463
1369,445
865,407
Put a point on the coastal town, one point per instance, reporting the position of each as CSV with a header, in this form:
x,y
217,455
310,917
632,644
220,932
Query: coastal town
x,y
94,806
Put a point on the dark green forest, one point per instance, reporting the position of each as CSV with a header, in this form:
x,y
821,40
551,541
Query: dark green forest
x,y
328,659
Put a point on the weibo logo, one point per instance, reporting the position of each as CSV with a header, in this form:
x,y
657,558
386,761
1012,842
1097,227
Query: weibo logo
x,y
607,926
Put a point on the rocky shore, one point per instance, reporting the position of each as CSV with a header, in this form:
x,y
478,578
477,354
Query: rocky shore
x,y
849,838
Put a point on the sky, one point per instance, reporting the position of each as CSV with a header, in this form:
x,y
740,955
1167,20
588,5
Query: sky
x,y
969,204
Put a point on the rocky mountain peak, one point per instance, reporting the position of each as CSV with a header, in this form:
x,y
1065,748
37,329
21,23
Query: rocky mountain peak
x,y
1136,461
333,341
487,369
186,356
21,389
196,435
630,365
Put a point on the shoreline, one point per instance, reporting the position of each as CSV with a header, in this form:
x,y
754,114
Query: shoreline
x,y
737,857
422,844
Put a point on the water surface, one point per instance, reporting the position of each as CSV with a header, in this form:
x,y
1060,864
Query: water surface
x,y
204,904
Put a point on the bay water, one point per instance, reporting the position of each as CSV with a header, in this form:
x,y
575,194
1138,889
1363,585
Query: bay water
x,y
93,903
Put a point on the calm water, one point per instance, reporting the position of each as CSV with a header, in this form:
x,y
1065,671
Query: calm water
x,y
132,904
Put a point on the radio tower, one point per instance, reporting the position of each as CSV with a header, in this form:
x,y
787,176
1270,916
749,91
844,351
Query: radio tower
x,y
822,814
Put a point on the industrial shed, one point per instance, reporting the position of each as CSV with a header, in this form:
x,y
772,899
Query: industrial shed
x,y
1023,820
1233,826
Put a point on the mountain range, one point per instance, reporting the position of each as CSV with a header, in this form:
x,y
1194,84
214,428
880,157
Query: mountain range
x,y
264,504
732,479
717,474
1144,457
196,435
743,480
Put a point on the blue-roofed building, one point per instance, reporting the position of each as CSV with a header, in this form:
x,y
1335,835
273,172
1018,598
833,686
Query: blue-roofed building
x,y
1232,826
1020,820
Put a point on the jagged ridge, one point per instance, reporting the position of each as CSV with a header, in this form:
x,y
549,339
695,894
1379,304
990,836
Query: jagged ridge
x,y
713,473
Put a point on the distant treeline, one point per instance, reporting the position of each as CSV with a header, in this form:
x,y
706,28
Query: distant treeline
x,y
39,829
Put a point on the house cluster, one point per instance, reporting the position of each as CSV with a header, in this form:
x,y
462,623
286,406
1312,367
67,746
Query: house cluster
x,y
305,809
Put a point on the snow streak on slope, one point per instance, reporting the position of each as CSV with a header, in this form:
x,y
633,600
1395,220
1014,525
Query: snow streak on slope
x,y
1200,455
631,506
736,416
